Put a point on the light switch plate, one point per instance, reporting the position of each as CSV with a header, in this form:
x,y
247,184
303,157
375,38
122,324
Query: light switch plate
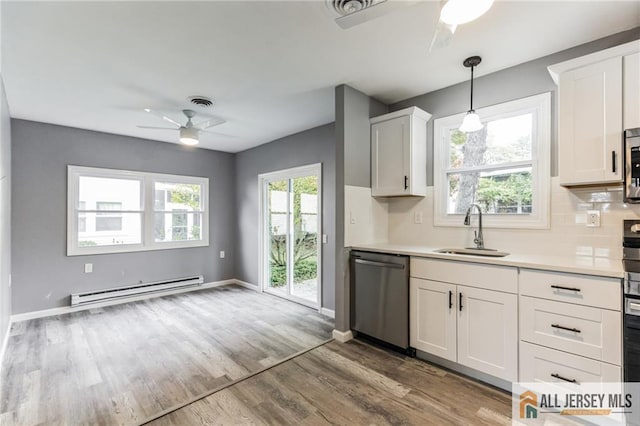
x,y
417,217
221,254
88,268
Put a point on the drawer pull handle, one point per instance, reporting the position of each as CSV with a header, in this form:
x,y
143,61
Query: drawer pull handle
x,y
559,287
557,376
575,330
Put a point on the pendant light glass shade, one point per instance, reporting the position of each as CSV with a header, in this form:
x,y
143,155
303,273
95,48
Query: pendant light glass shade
x,y
456,12
189,136
471,122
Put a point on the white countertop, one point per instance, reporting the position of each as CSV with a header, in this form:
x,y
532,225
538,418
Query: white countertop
x,y
575,264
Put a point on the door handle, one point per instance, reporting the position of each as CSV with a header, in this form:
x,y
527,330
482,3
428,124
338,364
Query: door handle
x,y
613,161
406,182
575,330
557,376
559,287
460,301
450,299
379,264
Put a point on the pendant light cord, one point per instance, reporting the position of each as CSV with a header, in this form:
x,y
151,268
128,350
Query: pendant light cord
x,y
471,88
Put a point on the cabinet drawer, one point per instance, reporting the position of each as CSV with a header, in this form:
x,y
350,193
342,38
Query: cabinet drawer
x,y
540,364
581,330
572,288
490,277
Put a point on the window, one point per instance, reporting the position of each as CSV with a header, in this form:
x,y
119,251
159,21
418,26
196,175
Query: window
x,y
111,221
503,167
118,211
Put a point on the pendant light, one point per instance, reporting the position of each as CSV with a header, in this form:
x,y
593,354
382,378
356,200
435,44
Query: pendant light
x,y
471,122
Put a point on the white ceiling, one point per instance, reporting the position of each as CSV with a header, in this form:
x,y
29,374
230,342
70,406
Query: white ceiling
x,y
271,66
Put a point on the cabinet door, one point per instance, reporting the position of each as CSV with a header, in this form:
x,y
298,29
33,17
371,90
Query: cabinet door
x,y
433,318
590,123
488,332
631,91
390,157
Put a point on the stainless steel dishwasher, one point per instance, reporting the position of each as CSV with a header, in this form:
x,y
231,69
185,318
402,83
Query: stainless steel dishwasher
x,y
380,298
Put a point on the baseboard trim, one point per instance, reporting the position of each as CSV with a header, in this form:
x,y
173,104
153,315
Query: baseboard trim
x,y
69,309
246,285
342,336
328,312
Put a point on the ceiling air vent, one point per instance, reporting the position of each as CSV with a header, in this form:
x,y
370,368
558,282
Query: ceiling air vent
x,y
201,101
347,7
349,13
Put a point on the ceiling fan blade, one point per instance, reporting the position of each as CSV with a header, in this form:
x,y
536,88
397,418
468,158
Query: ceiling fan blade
x,y
158,128
442,35
218,134
164,117
210,122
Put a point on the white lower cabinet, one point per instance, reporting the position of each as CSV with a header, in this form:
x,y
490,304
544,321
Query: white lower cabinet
x,y
472,326
433,318
570,328
488,331
541,364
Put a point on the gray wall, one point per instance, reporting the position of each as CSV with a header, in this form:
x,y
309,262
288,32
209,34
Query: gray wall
x,y
43,276
5,214
529,78
312,146
357,109
353,167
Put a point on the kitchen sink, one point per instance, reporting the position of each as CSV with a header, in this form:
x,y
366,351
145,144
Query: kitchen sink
x,y
473,252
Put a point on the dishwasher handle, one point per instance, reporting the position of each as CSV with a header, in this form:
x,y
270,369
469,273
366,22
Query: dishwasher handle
x,y
379,264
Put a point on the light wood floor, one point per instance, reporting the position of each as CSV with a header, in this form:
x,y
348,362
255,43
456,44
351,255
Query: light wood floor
x,y
350,384
122,364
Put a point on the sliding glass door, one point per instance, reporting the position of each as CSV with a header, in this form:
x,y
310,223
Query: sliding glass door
x,y
291,261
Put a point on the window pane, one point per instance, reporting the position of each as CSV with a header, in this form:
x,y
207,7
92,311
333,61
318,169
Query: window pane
x,y
101,230
500,141
109,192
177,196
177,226
497,192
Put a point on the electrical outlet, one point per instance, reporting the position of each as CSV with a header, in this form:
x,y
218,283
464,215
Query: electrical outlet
x,y
221,254
325,239
417,217
593,218
88,268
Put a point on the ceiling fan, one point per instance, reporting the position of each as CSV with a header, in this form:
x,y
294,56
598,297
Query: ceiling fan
x,y
454,13
189,132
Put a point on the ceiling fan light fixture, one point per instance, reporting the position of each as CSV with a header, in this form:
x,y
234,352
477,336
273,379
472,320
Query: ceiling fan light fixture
x,y
189,136
456,12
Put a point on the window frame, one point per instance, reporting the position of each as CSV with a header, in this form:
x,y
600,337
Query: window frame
x,y
147,210
540,106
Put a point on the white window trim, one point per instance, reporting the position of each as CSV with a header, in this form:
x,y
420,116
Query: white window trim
x,y
540,105
147,191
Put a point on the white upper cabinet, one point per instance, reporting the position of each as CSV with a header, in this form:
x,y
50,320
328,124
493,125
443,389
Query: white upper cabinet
x,y
631,73
593,96
590,124
399,153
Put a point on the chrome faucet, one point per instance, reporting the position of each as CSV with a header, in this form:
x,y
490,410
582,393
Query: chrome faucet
x,y
478,237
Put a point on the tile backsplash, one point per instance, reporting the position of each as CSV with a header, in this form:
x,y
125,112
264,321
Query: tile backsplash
x,y
568,234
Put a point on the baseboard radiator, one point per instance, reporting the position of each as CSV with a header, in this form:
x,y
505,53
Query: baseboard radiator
x,y
134,290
